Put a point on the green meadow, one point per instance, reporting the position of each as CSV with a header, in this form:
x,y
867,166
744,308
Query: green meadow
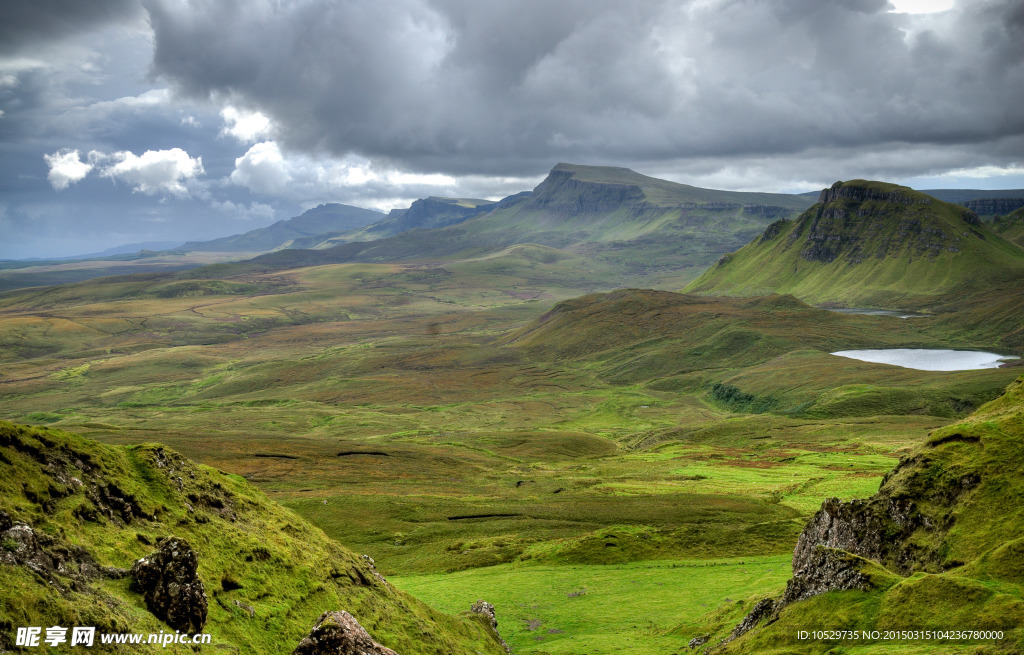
x,y
612,471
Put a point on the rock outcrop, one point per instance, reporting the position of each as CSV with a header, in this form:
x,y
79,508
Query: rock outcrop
x,y
338,633
857,193
825,569
49,558
486,610
170,584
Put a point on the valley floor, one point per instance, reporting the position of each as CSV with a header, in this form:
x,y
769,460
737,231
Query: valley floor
x,y
385,404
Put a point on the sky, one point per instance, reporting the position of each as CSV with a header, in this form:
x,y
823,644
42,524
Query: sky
x,y
125,121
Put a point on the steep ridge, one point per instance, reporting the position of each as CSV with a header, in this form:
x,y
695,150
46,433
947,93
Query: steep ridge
x,y
639,222
939,547
125,538
869,244
328,218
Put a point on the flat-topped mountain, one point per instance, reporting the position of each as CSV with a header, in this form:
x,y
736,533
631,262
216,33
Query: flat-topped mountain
x,y
869,244
638,223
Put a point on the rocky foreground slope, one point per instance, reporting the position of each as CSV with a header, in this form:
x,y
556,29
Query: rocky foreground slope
x,y
142,540
940,547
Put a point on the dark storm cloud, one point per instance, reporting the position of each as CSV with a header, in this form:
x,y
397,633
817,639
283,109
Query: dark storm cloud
x,y
31,22
507,87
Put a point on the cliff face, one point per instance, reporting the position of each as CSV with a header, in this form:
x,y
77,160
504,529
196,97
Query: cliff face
x,y
994,206
430,213
561,191
951,510
855,222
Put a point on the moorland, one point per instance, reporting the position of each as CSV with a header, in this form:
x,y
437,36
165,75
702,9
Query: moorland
x,y
519,405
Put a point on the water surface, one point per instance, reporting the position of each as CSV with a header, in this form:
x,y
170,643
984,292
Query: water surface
x,y
875,312
925,359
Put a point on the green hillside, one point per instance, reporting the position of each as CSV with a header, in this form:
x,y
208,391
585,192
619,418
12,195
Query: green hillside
x,y
870,244
634,223
1011,226
940,547
74,512
735,351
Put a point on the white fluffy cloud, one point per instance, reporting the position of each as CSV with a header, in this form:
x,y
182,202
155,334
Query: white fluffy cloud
x,y
153,172
66,168
246,126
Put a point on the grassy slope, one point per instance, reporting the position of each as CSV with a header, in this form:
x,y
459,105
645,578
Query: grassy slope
x,y
249,549
971,575
687,343
886,254
1011,227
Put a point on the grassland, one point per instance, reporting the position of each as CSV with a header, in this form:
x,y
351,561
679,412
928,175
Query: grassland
x,y
474,424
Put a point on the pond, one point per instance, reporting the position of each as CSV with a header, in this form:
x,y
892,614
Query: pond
x,y
874,312
924,359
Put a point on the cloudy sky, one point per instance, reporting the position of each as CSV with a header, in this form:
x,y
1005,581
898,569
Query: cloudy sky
x,y
140,120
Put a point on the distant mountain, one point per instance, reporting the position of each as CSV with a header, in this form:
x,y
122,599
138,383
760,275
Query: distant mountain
x,y
639,222
332,217
1011,226
961,196
424,214
994,206
869,244
128,249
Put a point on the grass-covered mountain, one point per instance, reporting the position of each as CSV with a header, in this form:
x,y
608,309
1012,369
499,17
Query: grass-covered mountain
x,y
74,514
1011,226
870,244
331,217
637,223
940,547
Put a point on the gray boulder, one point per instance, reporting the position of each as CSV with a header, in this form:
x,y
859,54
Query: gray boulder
x,y
170,584
338,633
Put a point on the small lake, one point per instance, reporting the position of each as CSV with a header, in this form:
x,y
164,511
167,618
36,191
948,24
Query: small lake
x,y
875,312
924,359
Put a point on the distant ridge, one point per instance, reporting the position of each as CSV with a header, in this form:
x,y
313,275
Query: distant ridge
x,y
868,244
332,217
639,223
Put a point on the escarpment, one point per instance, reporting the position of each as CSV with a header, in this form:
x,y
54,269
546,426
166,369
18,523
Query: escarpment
x,y
858,221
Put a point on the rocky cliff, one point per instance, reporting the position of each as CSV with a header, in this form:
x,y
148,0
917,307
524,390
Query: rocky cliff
x,y
994,206
951,511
